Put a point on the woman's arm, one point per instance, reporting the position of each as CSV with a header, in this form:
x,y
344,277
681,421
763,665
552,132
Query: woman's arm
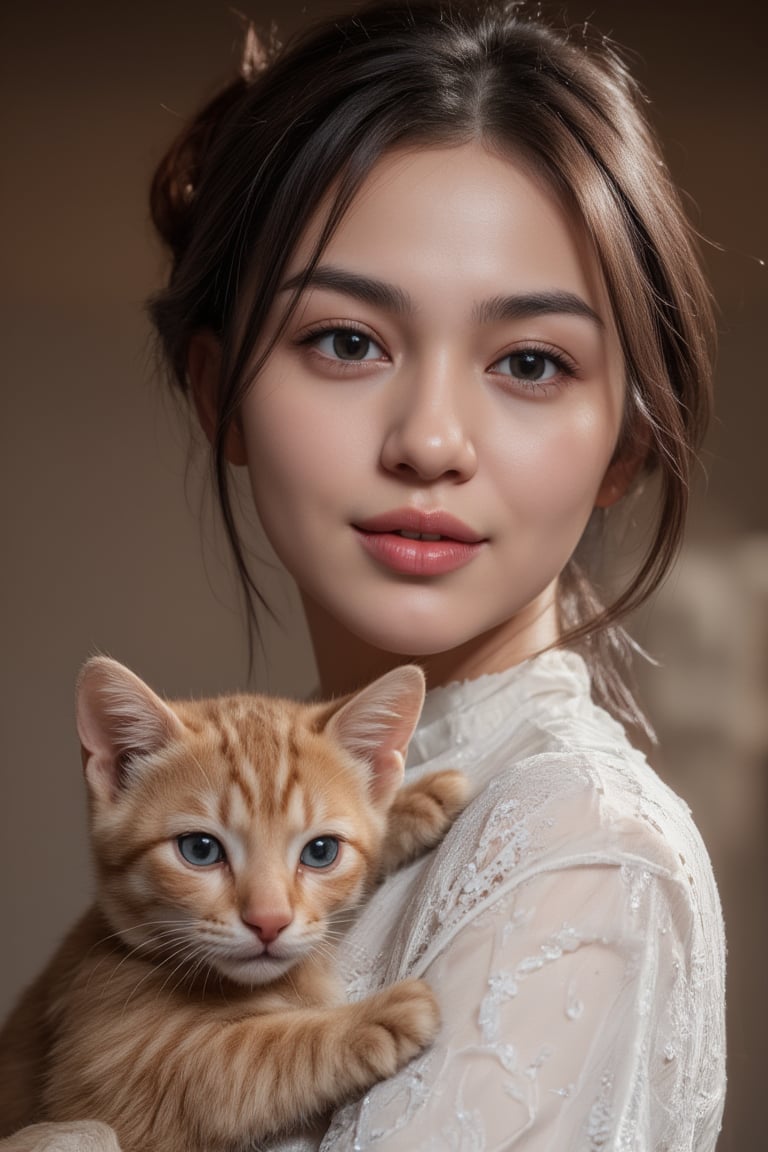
x,y
572,1020
84,1136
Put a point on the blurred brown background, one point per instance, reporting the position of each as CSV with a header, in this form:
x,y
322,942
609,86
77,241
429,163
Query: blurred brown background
x,y
103,547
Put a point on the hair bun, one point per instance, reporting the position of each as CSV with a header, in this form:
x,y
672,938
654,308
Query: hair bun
x,y
172,192
177,176
258,53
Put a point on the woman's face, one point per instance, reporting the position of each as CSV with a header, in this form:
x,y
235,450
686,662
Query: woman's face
x,y
431,432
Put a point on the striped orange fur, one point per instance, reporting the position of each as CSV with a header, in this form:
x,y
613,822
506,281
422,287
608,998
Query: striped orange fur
x,y
196,1005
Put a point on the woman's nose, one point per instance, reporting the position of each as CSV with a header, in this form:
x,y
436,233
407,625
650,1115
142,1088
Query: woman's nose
x,y
428,437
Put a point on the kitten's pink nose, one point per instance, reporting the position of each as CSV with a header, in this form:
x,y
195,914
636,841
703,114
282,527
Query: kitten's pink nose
x,y
267,924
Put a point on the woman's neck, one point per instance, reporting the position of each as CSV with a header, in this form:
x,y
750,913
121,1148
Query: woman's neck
x,y
345,662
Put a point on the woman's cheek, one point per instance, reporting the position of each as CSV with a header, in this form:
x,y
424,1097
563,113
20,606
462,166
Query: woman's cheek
x,y
555,466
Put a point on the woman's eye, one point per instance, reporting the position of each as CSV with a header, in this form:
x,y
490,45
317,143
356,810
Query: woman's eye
x,y
319,853
347,344
201,849
529,366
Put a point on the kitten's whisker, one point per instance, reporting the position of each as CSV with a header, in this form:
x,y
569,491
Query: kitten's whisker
x,y
151,971
185,949
131,928
326,953
181,965
128,956
179,934
119,935
206,962
207,974
289,977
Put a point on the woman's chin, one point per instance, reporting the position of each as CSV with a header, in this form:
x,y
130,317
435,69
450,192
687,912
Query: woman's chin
x,y
415,641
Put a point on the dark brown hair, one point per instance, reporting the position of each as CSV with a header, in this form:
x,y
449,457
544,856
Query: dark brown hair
x,y
235,192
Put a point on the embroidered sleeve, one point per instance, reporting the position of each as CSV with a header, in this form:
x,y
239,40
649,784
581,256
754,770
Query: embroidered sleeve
x,y
577,1014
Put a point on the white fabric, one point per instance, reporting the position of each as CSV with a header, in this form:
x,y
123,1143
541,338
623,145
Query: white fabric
x,y
571,928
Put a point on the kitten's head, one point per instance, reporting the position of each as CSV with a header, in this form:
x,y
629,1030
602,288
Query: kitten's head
x,y
229,833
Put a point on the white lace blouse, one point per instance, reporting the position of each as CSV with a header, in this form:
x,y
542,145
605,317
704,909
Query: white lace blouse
x,y
571,928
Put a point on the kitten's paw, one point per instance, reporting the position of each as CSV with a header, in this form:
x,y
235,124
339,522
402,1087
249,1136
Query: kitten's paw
x,y
421,814
448,791
397,1024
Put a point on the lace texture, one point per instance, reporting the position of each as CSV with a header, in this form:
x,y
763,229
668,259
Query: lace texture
x,y
571,928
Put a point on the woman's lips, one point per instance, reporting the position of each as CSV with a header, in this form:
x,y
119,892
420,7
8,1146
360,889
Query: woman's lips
x,y
416,543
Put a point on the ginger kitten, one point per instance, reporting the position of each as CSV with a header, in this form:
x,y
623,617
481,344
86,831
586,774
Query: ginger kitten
x,y
196,1006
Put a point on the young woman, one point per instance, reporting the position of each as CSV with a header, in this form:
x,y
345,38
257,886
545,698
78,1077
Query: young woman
x,y
433,289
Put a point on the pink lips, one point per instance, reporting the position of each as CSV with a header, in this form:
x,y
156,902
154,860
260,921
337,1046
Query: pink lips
x,y
449,543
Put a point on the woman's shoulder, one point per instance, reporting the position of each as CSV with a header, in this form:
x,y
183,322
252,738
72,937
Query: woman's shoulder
x,y
557,789
555,779
586,801
545,759
569,818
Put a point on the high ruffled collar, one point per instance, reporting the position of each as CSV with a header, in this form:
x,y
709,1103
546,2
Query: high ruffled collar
x,y
468,712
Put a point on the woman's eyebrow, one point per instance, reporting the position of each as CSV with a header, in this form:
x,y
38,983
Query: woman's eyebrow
x,y
365,288
527,304
388,296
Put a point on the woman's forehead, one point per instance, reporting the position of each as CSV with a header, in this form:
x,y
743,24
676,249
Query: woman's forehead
x,y
464,218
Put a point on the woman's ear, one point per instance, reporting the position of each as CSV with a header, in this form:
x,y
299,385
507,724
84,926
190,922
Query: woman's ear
x,y
623,469
204,373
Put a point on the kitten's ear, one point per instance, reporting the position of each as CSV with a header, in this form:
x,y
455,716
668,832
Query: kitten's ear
x,y
377,724
119,720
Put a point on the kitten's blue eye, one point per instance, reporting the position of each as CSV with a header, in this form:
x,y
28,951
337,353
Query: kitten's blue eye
x,y
320,853
201,849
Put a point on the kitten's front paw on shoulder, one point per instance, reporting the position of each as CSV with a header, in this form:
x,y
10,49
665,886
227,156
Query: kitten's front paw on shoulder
x,y
421,814
447,790
399,1022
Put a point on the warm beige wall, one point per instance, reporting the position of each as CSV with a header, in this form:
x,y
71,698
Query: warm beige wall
x,y
101,541
101,547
